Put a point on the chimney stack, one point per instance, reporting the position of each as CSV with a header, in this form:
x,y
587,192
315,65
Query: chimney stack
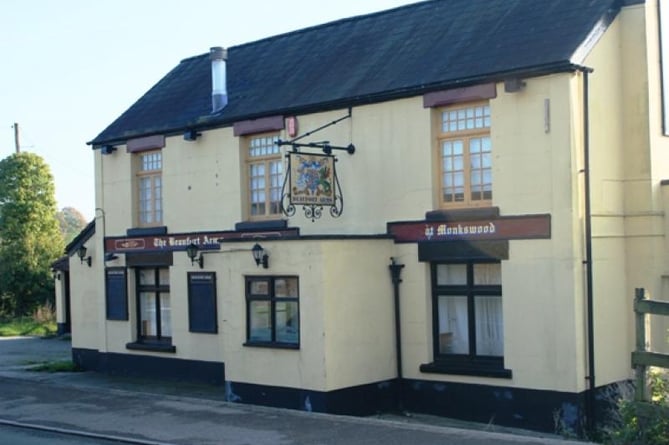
x,y
219,92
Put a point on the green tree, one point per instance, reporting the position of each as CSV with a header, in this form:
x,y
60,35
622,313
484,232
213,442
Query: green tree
x,y
30,237
71,222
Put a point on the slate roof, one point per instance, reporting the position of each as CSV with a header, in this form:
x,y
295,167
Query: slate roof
x,y
400,52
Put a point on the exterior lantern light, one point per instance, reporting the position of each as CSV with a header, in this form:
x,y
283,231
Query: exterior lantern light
x,y
81,253
260,256
191,251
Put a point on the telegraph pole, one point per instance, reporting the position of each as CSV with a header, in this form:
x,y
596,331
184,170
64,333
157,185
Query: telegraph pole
x,y
16,138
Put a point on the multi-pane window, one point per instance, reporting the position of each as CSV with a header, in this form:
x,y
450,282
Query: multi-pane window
x,y
149,185
467,304
465,156
272,308
265,176
154,308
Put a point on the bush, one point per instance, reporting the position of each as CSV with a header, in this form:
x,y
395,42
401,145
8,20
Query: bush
x,y
643,423
45,314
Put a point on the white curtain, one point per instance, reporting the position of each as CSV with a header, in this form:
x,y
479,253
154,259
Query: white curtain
x,y
453,325
489,326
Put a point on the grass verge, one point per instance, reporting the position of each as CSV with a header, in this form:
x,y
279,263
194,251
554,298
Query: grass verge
x,y
26,326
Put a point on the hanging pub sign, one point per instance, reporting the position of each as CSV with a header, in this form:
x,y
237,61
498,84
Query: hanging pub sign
x,y
311,181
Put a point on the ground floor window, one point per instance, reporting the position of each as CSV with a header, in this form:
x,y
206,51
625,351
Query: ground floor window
x,y
154,307
272,311
468,325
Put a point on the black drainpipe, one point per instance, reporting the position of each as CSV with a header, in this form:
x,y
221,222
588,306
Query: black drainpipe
x,y
590,394
395,272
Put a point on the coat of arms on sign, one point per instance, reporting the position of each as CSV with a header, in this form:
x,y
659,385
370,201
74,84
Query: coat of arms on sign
x,y
312,179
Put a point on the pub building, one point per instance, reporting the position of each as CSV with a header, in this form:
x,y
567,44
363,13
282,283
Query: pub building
x,y
428,208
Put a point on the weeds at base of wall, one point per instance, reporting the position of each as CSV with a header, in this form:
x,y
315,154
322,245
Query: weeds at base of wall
x,y
56,366
560,426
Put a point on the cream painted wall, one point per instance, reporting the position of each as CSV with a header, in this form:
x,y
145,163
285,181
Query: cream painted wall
x,y
346,325
336,351
59,290
202,182
415,312
395,149
659,147
115,194
359,312
87,301
608,139
532,167
629,155
347,330
659,144
303,368
203,185
393,141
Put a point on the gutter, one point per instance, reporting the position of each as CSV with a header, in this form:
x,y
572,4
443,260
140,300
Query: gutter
x,y
590,394
209,122
395,272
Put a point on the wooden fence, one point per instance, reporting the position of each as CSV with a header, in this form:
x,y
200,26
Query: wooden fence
x,y
642,358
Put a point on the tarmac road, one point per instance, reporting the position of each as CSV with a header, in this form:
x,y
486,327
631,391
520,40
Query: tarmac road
x,y
28,436
146,412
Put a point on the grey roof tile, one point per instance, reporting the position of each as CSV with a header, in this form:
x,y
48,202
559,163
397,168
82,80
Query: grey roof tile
x,y
399,52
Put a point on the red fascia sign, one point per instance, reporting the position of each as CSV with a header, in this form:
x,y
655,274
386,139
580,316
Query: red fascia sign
x,y
204,241
500,228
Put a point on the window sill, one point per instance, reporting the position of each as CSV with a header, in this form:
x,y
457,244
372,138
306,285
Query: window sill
x,y
153,347
257,344
471,369
203,331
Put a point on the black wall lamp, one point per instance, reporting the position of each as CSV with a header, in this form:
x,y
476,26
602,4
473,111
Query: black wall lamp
x,y
81,253
192,251
260,256
191,135
107,149
110,256
514,85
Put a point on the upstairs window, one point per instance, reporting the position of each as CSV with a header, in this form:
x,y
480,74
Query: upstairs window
x,y
465,156
264,167
149,188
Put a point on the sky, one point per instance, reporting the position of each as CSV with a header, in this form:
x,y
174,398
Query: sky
x,y
71,67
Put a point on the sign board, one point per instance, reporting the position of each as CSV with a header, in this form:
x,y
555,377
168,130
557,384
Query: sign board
x,y
180,241
499,228
312,179
116,293
202,302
